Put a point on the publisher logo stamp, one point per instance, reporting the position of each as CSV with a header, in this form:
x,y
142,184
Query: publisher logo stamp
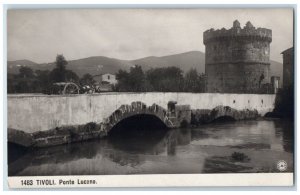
x,y
281,165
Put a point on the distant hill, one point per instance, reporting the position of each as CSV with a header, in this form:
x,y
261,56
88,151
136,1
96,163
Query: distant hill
x,y
185,61
91,65
14,66
100,64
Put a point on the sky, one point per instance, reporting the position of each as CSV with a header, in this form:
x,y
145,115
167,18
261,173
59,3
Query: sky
x,y
39,35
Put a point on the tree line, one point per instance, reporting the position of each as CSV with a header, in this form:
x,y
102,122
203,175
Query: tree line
x,y
167,79
39,81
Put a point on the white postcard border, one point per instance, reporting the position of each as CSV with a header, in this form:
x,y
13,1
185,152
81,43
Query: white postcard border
x,y
155,180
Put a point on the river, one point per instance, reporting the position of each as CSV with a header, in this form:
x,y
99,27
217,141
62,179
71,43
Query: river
x,y
228,147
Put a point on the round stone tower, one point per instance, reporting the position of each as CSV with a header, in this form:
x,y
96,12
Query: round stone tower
x,y
237,60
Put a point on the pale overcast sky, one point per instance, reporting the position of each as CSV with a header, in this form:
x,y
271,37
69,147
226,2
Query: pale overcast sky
x,y
39,35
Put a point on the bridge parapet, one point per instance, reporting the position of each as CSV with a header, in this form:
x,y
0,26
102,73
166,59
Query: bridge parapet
x,y
63,119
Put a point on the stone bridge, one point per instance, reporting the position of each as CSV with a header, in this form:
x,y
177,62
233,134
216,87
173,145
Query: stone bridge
x,y
43,120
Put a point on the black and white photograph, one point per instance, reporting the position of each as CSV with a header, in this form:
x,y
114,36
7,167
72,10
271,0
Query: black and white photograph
x,y
147,92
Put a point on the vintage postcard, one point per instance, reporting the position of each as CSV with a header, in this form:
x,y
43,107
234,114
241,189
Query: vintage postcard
x,y
150,97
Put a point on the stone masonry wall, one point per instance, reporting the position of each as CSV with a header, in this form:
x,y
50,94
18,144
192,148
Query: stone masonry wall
x,y
32,113
237,60
41,120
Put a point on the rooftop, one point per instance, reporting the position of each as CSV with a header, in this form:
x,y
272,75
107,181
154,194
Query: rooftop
x,y
289,50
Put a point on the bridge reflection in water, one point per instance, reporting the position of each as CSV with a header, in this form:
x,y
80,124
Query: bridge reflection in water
x,y
206,149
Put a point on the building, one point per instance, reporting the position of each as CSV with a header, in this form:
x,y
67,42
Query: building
x,y
288,67
237,60
109,78
106,79
105,82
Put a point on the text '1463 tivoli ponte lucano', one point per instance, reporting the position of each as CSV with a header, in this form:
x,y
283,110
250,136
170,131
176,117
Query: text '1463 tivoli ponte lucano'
x,y
237,60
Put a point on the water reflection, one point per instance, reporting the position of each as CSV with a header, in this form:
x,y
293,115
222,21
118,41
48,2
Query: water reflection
x,y
284,132
190,150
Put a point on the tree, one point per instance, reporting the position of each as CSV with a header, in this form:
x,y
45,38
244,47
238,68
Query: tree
x,y
134,80
169,79
25,72
122,77
28,81
71,76
25,81
58,74
61,62
194,82
23,87
191,80
11,83
43,80
87,79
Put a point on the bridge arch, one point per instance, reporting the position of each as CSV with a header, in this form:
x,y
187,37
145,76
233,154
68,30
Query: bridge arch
x,y
230,113
222,112
136,109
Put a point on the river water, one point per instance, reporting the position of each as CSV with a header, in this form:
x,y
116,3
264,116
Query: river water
x,y
230,147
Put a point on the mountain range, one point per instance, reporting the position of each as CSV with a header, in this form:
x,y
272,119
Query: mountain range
x,y
101,64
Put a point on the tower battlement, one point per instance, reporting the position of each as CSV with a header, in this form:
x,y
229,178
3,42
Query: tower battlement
x,y
249,31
